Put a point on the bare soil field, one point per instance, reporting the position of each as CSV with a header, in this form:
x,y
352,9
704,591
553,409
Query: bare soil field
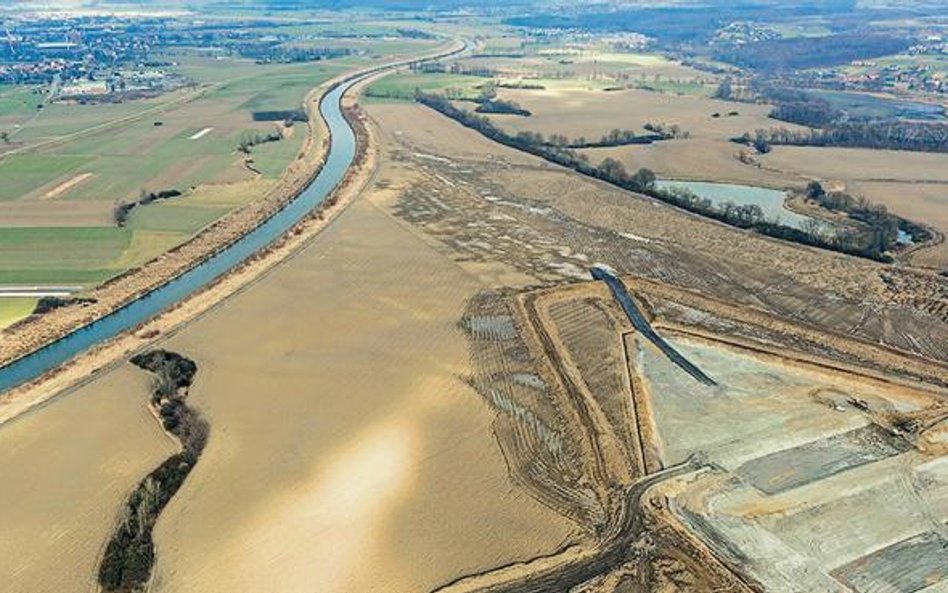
x,y
811,504
491,206
321,472
67,468
593,113
783,469
695,159
859,164
707,154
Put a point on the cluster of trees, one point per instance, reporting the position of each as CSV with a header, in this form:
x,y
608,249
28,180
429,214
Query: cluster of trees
x,y
520,85
667,132
123,208
814,113
488,102
130,554
481,71
49,303
615,137
501,106
268,53
883,227
285,115
893,135
643,181
415,34
250,139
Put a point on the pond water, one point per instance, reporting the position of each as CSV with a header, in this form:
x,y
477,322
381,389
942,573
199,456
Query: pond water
x,y
771,201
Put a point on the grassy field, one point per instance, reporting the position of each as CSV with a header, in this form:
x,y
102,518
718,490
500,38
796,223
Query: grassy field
x,y
402,86
14,309
23,173
151,151
18,101
60,255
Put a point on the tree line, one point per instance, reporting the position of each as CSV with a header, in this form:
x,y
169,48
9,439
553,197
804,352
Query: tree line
x,y
643,181
891,135
123,208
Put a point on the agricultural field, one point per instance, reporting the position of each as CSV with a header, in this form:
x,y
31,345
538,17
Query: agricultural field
x,y
68,165
402,86
12,309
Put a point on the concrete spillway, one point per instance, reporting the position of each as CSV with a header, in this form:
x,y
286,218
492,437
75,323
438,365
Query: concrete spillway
x,y
641,325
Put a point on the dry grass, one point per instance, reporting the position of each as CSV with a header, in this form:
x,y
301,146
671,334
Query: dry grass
x,y
321,473
593,113
68,467
851,164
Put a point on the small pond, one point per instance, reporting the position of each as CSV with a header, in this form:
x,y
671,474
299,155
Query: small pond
x,y
771,201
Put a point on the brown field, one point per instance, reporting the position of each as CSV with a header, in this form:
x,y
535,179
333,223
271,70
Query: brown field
x,y
707,155
67,468
496,207
910,184
922,202
593,113
851,164
598,68
321,472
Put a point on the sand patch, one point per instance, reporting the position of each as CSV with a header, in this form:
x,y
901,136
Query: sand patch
x,y
200,134
66,186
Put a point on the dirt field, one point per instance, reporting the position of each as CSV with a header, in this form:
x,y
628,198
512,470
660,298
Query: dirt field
x,y
490,206
860,164
911,184
319,472
83,452
593,113
780,504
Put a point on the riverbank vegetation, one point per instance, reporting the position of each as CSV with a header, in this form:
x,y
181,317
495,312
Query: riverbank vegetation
x,y
884,225
873,242
129,556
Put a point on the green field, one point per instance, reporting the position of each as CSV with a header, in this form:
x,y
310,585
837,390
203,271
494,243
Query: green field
x,y
402,86
18,100
60,255
111,152
22,173
677,87
14,309
271,158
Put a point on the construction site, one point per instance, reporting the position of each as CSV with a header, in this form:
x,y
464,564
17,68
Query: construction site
x,y
709,428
